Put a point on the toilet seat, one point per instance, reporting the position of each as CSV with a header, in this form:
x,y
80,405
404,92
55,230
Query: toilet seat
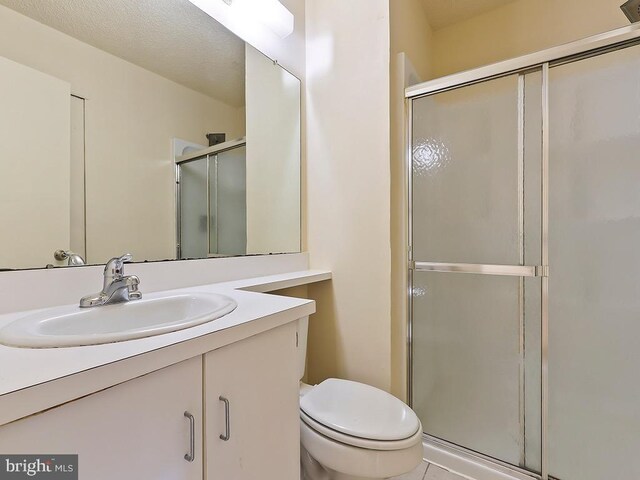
x,y
384,445
360,415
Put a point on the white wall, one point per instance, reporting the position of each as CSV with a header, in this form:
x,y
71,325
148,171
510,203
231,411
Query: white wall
x,y
273,156
131,117
348,188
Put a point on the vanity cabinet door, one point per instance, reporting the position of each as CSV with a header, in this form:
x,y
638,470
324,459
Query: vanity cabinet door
x,y
258,379
135,430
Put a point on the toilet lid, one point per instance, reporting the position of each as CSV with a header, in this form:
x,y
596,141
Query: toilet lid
x,y
359,410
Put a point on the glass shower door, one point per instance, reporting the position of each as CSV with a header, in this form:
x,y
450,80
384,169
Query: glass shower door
x,y
212,204
476,228
594,280
192,214
228,203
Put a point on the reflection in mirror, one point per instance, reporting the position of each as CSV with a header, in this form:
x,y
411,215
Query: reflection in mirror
x,y
212,201
145,127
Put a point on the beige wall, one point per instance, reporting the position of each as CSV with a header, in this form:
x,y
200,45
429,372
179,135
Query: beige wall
x,y
35,191
348,190
131,116
356,191
411,49
521,27
411,34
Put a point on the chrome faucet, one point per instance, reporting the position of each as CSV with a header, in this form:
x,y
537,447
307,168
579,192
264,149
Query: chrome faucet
x,y
117,287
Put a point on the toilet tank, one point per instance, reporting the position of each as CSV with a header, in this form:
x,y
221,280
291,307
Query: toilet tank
x,y
302,333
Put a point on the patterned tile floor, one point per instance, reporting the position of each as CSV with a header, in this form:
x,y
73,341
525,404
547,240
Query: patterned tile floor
x,y
427,471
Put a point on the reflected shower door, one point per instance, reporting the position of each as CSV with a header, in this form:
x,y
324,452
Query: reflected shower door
x,y
228,199
476,225
594,279
212,199
193,222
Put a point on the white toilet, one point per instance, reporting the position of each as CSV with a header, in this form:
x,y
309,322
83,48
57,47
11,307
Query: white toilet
x,y
352,431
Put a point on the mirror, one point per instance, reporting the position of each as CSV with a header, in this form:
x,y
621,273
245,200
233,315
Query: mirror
x,y
142,127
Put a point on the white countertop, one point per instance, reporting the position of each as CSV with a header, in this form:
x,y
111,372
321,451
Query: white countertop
x,y
24,372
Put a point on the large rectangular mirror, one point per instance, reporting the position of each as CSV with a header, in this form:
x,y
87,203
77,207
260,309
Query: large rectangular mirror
x,y
142,127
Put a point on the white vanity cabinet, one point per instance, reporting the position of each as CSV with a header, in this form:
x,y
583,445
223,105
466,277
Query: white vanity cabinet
x,y
134,430
258,378
243,398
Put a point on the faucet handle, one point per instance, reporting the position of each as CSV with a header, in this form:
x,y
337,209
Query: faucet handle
x,y
127,257
115,266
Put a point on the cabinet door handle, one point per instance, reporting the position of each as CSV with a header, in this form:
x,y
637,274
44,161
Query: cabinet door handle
x,y
189,457
227,420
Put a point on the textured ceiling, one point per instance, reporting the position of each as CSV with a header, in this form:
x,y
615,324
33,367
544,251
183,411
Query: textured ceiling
x,y
172,38
442,13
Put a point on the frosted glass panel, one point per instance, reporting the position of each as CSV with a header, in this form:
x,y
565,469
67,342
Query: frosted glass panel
x,y
532,255
466,177
193,209
229,203
468,386
594,309
531,194
477,199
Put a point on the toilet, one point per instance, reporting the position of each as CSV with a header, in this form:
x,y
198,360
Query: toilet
x,y
353,431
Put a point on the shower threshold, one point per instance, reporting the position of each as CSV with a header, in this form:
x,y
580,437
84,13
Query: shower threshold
x,y
470,464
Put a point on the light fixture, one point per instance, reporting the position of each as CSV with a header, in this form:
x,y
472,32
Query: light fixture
x,y
268,13
631,9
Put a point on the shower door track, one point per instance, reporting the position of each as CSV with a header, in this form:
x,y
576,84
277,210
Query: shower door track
x,y
463,454
543,60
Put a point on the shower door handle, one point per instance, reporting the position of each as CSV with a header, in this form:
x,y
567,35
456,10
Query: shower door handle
x,y
509,270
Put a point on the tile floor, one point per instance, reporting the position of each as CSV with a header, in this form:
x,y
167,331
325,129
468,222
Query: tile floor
x,y
428,471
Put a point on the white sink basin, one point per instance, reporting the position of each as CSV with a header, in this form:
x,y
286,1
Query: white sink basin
x,y
74,326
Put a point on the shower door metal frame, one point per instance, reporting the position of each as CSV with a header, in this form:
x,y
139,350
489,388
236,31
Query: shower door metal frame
x,y
543,60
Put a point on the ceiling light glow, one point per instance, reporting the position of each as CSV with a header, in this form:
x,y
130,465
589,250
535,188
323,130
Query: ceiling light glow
x,y
269,13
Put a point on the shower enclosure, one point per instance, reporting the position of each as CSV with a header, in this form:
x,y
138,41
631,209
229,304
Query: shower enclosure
x,y
211,207
524,261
